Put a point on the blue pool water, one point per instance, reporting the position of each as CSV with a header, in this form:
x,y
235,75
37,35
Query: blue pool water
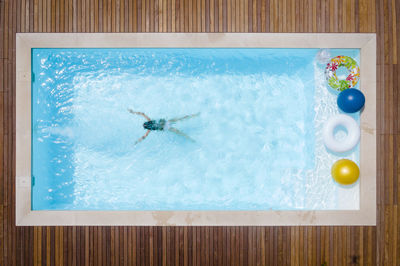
x,y
257,136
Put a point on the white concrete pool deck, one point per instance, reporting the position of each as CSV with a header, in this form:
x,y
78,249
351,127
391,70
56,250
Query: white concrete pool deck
x,y
366,215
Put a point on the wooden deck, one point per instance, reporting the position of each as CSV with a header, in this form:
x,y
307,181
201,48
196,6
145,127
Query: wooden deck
x,y
378,245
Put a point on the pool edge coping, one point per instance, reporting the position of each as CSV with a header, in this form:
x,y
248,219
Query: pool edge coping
x,y
365,41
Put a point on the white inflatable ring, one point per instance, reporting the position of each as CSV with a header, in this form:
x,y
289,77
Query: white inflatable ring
x,y
353,133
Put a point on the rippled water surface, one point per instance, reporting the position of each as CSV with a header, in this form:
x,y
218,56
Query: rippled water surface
x,y
257,142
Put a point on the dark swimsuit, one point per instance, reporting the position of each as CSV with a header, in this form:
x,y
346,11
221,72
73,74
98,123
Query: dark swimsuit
x,y
155,125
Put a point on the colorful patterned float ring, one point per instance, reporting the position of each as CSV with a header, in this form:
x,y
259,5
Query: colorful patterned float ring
x,y
349,142
352,78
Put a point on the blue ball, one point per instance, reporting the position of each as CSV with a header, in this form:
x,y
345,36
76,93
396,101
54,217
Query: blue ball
x,y
351,100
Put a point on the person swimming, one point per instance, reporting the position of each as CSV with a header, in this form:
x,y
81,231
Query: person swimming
x,y
161,125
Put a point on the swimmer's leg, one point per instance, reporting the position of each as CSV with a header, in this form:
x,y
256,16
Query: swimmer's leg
x,y
180,133
173,120
139,113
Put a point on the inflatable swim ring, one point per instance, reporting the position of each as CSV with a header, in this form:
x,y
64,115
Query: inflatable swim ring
x,y
349,142
342,84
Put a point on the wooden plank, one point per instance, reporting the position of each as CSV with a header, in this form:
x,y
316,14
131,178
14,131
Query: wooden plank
x,y
2,262
271,9
308,16
35,15
35,246
102,15
235,16
107,16
135,18
65,16
363,14
86,245
339,7
276,17
197,15
22,11
193,16
353,15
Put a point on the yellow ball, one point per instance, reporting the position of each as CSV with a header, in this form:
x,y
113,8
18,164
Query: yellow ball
x,y
345,172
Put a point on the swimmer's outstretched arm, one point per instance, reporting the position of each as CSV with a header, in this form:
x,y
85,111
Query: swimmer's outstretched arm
x,y
180,133
142,138
139,113
183,118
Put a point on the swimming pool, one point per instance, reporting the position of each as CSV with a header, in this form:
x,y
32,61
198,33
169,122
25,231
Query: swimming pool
x,y
254,143
257,138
